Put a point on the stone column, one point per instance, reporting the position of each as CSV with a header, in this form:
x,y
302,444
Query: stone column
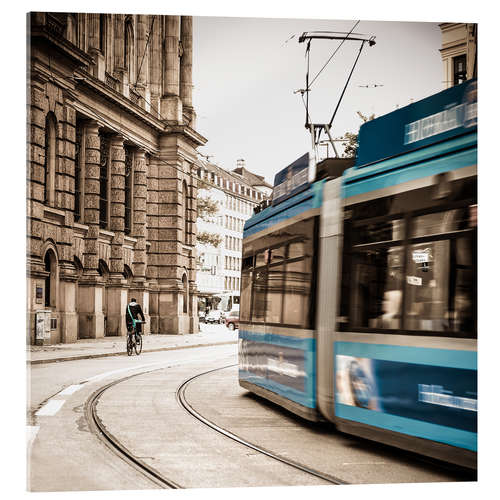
x,y
119,41
155,45
173,252
138,287
91,285
67,305
171,105
186,66
116,289
142,61
98,67
152,237
93,31
68,319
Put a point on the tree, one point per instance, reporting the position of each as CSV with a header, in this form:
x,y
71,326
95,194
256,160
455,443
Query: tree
x,y
351,144
207,209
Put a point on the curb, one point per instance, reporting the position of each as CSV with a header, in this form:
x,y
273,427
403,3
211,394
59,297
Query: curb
x,y
123,353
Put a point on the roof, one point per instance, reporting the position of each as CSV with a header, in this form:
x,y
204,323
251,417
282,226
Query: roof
x,y
251,178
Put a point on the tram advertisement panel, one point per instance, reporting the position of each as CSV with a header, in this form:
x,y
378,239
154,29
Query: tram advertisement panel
x,y
283,365
423,392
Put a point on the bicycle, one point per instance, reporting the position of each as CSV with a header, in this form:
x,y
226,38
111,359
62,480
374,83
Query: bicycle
x,y
134,341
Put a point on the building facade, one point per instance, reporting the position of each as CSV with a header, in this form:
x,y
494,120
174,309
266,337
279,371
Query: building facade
x,y
459,52
236,192
111,201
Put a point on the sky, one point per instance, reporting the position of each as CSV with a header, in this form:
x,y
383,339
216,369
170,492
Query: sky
x,y
246,70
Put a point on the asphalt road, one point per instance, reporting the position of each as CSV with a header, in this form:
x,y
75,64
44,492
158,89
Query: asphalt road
x,y
142,412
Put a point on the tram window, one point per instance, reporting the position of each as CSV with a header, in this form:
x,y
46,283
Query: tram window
x,y
276,286
427,275
275,293
422,281
440,222
259,295
277,254
247,263
299,249
377,288
373,232
261,258
246,292
297,292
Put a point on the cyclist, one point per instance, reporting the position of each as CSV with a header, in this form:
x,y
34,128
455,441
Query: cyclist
x,y
134,310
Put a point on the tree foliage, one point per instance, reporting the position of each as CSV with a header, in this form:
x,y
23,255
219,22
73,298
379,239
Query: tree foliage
x,y
206,238
351,140
207,209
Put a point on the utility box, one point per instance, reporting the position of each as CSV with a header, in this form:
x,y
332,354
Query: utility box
x,y
42,327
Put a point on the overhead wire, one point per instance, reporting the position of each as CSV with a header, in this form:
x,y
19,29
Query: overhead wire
x,y
331,57
347,83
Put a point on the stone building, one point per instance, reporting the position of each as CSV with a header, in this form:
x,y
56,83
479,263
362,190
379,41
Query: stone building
x,y
458,52
111,199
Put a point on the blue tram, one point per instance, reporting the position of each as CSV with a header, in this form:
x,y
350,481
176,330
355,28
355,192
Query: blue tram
x,y
359,284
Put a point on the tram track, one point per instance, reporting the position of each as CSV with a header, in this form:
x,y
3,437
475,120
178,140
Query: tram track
x,y
181,398
98,428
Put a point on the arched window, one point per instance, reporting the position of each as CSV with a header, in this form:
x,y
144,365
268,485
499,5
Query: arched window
x,y
50,261
185,210
103,269
129,52
185,289
77,263
128,274
50,157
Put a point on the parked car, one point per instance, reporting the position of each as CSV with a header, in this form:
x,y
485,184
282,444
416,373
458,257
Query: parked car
x,y
214,316
233,320
201,316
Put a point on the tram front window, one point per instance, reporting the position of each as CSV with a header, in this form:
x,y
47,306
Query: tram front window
x,y
278,277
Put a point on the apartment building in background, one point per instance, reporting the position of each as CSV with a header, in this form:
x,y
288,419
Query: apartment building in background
x,y
236,192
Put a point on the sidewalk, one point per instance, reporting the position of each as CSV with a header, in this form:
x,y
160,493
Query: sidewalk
x,y
115,346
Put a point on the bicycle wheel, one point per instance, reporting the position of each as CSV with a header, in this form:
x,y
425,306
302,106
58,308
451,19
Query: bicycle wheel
x,y
130,346
138,344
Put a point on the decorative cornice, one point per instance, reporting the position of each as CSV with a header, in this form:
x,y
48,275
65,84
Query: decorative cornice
x,y
117,98
71,51
187,132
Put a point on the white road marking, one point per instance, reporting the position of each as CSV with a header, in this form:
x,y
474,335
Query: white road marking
x,y
128,368
364,463
31,432
50,408
71,389
166,364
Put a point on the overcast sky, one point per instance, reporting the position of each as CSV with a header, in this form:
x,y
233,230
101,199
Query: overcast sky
x,y
245,72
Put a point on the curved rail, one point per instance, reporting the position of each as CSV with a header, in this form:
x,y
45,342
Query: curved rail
x,y
181,398
99,429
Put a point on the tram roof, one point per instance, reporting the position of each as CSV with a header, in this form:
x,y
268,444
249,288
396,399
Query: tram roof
x,y
439,117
